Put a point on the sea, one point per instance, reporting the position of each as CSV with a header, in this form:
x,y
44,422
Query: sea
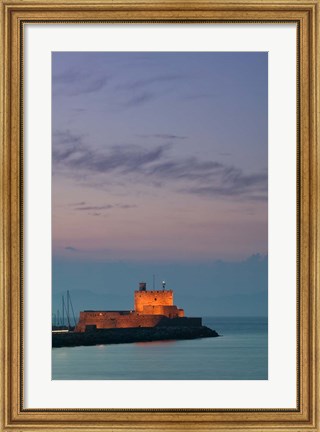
x,y
240,353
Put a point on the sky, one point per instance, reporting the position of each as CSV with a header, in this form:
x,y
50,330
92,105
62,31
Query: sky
x,y
160,164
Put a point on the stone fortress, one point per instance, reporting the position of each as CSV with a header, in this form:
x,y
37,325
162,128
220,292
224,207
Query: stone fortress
x,y
151,309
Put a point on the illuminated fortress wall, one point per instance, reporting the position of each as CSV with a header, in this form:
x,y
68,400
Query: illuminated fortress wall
x,y
152,298
156,303
105,319
150,309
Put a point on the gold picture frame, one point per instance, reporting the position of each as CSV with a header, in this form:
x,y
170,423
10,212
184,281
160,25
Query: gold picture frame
x,y
13,415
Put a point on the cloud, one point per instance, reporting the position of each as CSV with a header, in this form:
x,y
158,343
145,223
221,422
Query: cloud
x,y
186,169
142,83
139,99
227,191
79,110
199,96
155,165
65,145
82,207
137,92
77,204
90,86
66,137
164,136
71,249
73,82
73,155
87,208
67,77
233,182
126,206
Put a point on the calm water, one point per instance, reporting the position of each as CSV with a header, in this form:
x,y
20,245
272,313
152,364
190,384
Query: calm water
x,y
240,354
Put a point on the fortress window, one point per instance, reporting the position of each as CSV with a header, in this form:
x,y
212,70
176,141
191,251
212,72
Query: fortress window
x,y
155,298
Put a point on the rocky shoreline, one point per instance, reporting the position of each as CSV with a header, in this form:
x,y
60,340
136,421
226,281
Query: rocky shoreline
x,y
130,335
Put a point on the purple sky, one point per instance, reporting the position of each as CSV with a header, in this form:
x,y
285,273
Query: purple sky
x,y
159,156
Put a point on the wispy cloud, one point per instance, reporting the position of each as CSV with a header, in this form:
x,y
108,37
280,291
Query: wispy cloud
x,y
69,151
252,186
82,207
187,169
156,165
139,99
71,249
193,97
141,91
103,207
73,82
79,110
145,82
65,145
66,77
126,206
91,86
81,203
163,136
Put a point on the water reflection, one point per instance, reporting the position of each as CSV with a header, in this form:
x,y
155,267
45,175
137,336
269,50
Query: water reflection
x,y
156,343
241,354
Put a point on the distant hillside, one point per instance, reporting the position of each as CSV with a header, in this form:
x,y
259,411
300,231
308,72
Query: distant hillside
x,y
254,304
86,300
211,288
250,304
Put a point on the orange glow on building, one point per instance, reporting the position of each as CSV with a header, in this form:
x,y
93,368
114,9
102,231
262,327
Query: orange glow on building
x,y
150,309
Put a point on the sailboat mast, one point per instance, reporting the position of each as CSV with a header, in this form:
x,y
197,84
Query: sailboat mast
x,y
68,315
62,310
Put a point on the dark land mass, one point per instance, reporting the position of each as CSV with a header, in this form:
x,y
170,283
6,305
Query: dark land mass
x,y
130,335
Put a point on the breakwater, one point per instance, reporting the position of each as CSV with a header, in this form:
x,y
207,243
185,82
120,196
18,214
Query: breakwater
x,y
130,335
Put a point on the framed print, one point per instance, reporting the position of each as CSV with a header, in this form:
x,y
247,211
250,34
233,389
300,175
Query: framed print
x,y
160,200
